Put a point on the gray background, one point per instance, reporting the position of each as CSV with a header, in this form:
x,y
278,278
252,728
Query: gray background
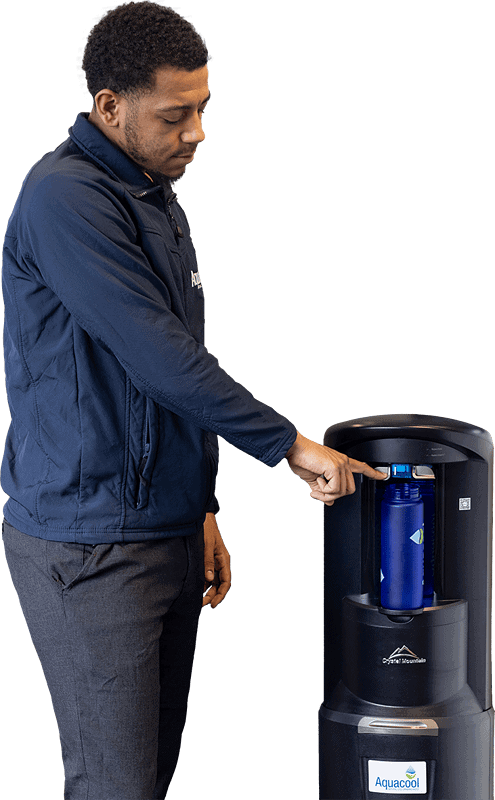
x,y
364,131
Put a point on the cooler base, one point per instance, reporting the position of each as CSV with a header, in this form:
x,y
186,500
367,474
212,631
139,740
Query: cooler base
x,y
445,757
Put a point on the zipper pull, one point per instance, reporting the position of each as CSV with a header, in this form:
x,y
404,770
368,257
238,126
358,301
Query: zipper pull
x,y
177,229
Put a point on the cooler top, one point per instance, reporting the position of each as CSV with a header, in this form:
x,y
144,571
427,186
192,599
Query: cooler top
x,y
451,432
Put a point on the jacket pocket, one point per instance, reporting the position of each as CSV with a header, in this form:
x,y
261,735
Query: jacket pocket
x,y
148,455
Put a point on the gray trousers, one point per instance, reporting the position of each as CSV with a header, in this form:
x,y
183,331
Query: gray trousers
x,y
114,626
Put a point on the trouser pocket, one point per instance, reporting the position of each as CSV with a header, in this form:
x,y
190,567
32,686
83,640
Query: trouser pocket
x,y
68,562
38,562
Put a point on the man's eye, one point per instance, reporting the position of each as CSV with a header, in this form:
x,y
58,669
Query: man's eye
x,y
175,121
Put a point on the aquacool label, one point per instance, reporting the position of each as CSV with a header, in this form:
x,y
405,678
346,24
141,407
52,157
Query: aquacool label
x,y
397,777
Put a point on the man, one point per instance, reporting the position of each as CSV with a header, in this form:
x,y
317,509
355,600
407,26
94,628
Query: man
x,y
111,457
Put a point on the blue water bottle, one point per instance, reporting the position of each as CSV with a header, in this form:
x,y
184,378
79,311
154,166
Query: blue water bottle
x,y
402,547
427,490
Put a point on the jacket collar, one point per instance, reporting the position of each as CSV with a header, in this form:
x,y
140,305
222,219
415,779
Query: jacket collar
x,y
98,147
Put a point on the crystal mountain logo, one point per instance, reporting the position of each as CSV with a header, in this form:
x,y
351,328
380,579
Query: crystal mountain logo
x,y
403,656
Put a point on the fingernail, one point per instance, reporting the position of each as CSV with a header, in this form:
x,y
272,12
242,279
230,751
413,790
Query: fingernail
x,y
209,574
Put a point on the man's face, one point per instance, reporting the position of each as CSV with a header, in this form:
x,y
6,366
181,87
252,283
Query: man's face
x,y
161,130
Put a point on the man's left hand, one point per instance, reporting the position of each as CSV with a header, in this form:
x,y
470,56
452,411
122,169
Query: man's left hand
x,y
217,564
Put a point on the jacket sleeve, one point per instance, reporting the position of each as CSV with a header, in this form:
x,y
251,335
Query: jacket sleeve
x,y
84,244
213,508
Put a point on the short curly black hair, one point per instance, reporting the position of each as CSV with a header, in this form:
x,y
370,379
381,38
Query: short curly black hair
x,y
127,46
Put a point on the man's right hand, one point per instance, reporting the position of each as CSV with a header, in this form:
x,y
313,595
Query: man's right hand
x,y
328,473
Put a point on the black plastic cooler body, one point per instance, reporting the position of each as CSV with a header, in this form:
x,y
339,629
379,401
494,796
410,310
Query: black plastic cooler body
x,y
407,706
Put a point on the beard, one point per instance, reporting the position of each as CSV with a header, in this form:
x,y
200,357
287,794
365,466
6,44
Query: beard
x,y
134,150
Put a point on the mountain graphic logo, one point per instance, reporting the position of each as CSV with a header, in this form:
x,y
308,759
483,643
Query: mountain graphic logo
x,y
410,773
418,536
403,652
403,656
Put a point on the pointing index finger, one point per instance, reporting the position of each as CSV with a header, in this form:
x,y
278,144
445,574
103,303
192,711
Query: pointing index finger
x,y
365,469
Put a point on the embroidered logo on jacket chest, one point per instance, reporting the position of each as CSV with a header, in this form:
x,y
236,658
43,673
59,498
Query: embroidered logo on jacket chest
x,y
195,279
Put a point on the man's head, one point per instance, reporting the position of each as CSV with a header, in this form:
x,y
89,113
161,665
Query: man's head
x,y
146,71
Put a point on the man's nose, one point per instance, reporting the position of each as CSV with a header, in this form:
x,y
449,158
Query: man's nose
x,y
194,132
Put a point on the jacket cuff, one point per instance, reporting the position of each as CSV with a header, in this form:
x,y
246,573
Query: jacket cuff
x,y
213,508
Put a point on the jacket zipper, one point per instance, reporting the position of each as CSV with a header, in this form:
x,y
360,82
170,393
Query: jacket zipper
x,y
142,463
178,233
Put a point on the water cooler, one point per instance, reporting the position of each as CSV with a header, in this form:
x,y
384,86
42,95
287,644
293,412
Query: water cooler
x,y
407,706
